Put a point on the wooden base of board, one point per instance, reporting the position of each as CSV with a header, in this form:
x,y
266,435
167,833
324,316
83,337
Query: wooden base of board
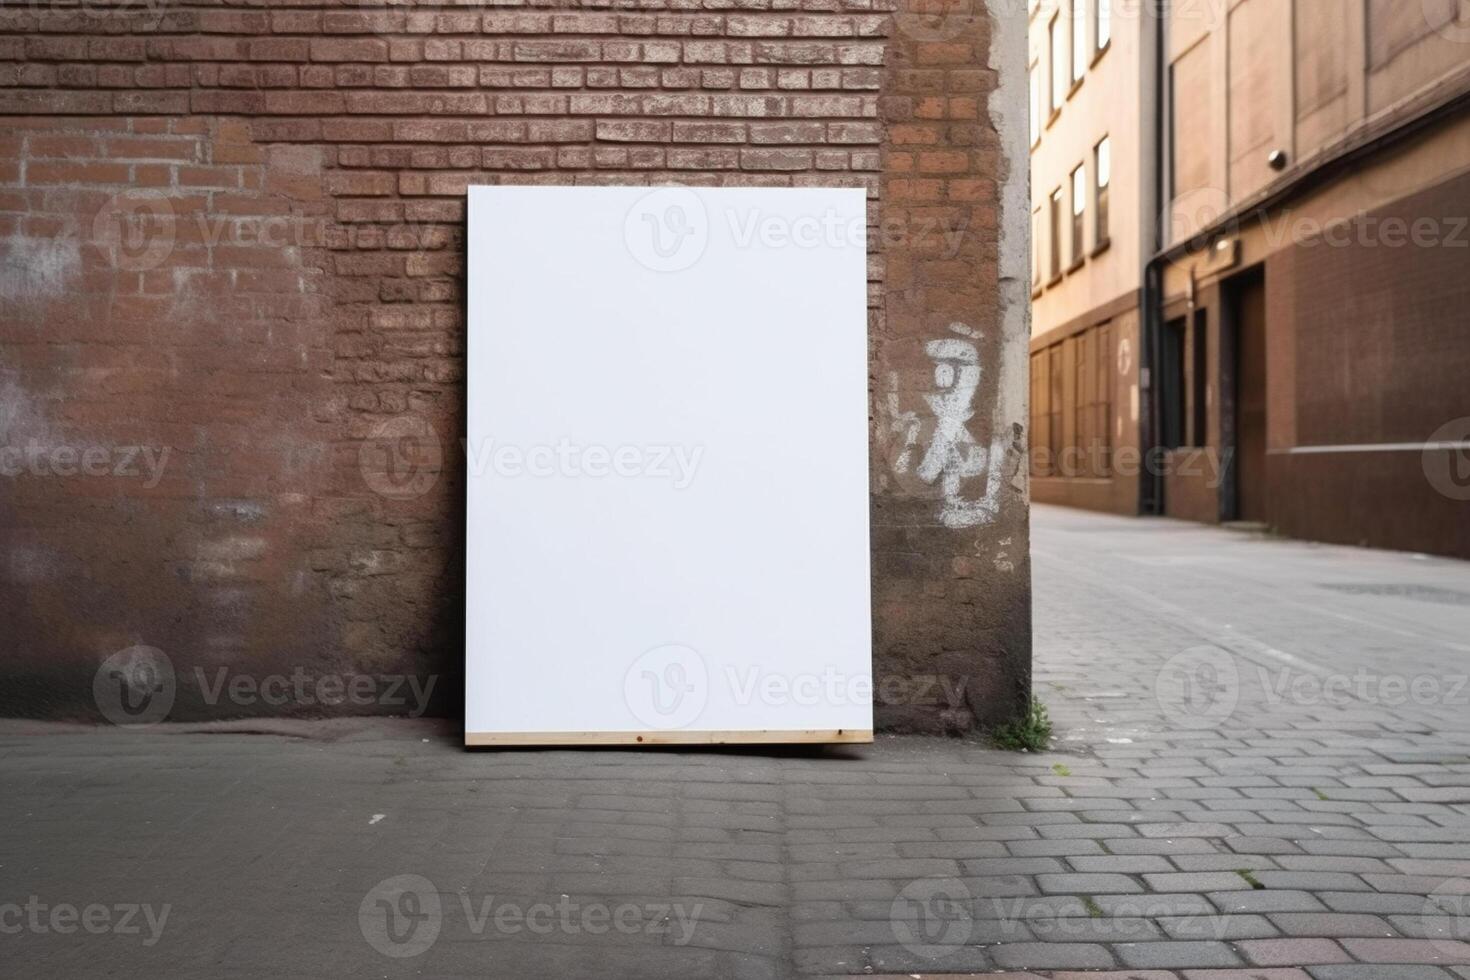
x,y
768,737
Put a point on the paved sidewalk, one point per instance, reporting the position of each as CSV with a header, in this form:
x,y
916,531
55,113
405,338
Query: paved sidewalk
x,y
1263,770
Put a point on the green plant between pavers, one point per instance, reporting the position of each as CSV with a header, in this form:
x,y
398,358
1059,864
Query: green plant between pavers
x,y
1251,879
1093,909
1031,733
1061,770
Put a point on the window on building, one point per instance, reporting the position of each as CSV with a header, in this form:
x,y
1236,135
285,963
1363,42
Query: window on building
x,y
1081,53
1059,64
1054,233
1103,18
1171,385
1079,212
1041,461
1036,121
1056,399
1036,248
1080,463
1102,178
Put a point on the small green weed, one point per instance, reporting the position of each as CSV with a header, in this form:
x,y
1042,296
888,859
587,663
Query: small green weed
x,y
1031,733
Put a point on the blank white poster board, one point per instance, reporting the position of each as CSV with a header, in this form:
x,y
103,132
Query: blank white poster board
x,y
667,447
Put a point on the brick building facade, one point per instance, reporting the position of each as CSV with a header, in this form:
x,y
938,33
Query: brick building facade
x,y
232,317
1250,289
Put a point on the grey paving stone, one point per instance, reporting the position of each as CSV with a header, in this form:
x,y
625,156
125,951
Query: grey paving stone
x,y
1262,845
1313,881
1221,928
1378,971
1266,900
1051,956
1086,884
1119,863
1177,955
1372,903
1257,973
1331,924
1224,862
1349,865
1066,847
1170,848
1292,952
1437,951
1215,881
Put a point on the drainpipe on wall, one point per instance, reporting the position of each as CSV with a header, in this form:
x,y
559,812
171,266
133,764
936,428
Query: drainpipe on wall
x,y
1151,486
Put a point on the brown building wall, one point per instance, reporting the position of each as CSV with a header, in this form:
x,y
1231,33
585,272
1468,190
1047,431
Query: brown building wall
x,y
1365,351
1375,314
233,247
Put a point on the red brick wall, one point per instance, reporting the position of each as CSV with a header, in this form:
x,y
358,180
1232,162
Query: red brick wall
x,y
235,235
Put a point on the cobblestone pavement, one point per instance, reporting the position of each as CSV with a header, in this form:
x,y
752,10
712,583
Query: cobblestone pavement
x,y
1262,773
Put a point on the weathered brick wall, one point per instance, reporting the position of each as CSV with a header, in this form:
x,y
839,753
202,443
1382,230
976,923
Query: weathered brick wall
x,y
232,244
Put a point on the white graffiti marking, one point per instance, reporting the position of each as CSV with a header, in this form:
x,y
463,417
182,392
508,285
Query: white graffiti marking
x,y
906,424
952,455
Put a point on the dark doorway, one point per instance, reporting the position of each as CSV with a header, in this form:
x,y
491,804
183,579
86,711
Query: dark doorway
x,y
1172,385
1248,309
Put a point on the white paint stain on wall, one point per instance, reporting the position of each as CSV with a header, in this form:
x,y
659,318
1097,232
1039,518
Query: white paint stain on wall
x,y
20,417
37,268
